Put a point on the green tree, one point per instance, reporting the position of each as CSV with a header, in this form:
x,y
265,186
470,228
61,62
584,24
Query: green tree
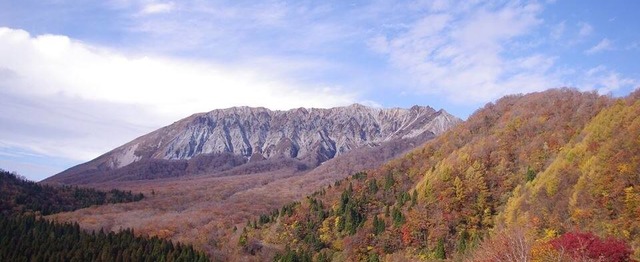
x,y
440,252
378,225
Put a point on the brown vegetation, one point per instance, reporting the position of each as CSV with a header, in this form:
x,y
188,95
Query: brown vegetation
x,y
203,210
551,163
514,182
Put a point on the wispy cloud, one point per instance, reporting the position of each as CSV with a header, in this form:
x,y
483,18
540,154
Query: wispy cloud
x,y
157,8
239,28
585,29
463,54
605,80
558,30
601,46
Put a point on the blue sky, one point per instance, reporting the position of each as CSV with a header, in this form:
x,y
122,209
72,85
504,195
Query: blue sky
x,y
78,78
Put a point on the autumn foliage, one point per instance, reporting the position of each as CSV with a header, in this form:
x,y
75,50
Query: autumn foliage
x,y
518,181
527,165
587,246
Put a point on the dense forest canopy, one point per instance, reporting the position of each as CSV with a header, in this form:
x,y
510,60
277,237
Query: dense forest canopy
x,y
26,236
32,239
20,196
550,171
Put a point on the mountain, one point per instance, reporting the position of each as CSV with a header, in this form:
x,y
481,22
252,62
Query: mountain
x,y
224,139
555,172
547,176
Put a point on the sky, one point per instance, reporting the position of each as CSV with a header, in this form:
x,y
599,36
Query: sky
x,y
79,78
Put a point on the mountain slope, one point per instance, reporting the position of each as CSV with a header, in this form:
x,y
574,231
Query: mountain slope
x,y
31,239
447,199
593,184
20,196
26,236
241,134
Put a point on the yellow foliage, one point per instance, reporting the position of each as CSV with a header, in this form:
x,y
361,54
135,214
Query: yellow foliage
x,y
325,231
338,244
459,189
337,222
295,225
591,185
549,234
624,168
552,186
542,251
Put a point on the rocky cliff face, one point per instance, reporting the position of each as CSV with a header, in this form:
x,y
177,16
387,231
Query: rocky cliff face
x,y
310,135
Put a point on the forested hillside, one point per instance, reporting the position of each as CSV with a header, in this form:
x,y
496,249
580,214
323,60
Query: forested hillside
x,y
20,196
31,239
592,185
25,236
544,176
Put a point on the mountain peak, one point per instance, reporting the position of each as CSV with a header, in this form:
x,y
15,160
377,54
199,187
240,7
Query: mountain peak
x,y
309,135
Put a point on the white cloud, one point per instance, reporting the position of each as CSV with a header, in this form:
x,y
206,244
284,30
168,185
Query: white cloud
x,y
96,99
157,8
604,80
603,45
585,29
81,70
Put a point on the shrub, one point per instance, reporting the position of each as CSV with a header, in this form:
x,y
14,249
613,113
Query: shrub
x,y
586,246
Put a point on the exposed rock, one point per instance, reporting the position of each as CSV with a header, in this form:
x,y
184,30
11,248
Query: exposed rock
x,y
310,135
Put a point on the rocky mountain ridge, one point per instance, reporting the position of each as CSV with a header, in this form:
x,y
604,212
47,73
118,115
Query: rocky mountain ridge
x,y
309,135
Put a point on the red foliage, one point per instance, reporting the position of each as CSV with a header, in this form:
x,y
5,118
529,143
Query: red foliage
x,y
589,246
406,235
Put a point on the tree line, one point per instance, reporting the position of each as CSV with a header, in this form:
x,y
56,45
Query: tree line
x,y
21,196
26,236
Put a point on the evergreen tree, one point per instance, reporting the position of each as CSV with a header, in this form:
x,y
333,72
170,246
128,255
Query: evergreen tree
x,y
397,216
242,241
25,238
378,225
440,252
